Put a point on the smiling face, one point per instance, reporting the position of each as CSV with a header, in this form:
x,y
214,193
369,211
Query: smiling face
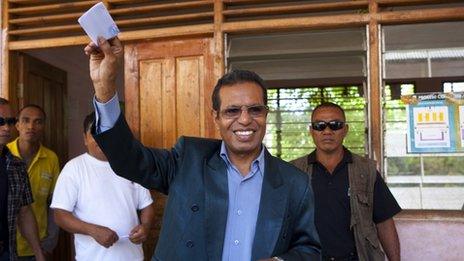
x,y
242,135
328,141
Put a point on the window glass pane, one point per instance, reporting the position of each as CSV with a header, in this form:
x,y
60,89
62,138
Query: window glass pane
x,y
421,58
287,133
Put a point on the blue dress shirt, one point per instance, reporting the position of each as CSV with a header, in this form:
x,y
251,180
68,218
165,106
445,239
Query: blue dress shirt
x,y
106,114
244,198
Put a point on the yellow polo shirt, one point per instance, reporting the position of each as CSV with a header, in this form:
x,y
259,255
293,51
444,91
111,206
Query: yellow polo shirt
x,y
43,173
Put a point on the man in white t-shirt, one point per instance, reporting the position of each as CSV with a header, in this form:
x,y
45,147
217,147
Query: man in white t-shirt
x,y
100,208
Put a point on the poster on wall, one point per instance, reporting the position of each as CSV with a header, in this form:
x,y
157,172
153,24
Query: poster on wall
x,y
431,126
435,122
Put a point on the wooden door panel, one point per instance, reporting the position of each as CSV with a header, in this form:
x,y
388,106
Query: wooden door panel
x,y
171,98
189,75
45,85
151,89
167,90
33,89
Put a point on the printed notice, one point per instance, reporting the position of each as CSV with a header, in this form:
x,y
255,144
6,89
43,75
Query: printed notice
x,y
431,127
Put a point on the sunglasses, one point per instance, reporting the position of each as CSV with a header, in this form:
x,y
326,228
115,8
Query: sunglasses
x,y
255,111
9,121
322,125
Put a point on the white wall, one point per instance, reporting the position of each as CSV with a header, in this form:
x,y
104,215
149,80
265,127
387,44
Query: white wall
x,y
428,239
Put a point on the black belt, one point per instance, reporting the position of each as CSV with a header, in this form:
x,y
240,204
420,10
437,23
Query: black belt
x,y
350,257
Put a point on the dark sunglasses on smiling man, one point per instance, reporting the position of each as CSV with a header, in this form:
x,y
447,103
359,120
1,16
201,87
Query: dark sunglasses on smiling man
x,y
255,111
322,125
9,121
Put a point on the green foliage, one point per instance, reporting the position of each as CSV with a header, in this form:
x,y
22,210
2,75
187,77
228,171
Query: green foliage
x,y
290,109
288,133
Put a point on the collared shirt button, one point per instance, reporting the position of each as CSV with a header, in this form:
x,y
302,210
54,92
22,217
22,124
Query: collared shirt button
x,y
239,212
195,208
189,244
236,242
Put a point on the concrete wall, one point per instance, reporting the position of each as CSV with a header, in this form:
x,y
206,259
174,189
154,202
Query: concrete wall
x,y
431,238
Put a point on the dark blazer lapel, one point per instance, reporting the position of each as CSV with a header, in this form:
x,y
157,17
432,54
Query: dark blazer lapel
x,y
216,205
272,209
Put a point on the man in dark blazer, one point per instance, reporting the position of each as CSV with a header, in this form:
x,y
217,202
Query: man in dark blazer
x,y
228,199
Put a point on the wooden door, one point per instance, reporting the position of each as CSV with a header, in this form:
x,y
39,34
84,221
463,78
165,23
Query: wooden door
x,y
168,88
45,85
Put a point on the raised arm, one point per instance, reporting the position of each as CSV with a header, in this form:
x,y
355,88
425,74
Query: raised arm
x,y
152,168
103,64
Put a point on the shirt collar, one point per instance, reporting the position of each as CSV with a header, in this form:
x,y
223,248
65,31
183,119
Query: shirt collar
x,y
15,150
259,161
6,153
347,156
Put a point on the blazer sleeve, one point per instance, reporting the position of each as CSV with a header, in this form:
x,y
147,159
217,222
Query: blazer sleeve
x,y
130,159
305,242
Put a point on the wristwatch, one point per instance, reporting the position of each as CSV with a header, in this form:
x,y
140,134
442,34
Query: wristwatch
x,y
276,258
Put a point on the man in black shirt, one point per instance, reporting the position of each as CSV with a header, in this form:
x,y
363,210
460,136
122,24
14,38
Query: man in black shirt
x,y
15,195
353,206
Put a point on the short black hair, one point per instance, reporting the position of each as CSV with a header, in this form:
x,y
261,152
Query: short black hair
x,y
89,121
235,77
31,105
328,105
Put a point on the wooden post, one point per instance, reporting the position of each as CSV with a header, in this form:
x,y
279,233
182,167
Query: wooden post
x,y
218,55
374,84
218,39
4,92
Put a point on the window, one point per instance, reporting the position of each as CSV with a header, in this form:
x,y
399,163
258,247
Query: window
x,y
453,87
290,108
306,68
421,58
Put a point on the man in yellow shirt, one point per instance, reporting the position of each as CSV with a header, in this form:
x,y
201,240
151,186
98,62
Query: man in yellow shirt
x,y
43,170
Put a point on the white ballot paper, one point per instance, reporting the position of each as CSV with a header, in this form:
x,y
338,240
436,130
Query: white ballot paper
x,y
98,22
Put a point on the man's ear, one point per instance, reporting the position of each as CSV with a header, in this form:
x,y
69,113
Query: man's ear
x,y
347,128
215,115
